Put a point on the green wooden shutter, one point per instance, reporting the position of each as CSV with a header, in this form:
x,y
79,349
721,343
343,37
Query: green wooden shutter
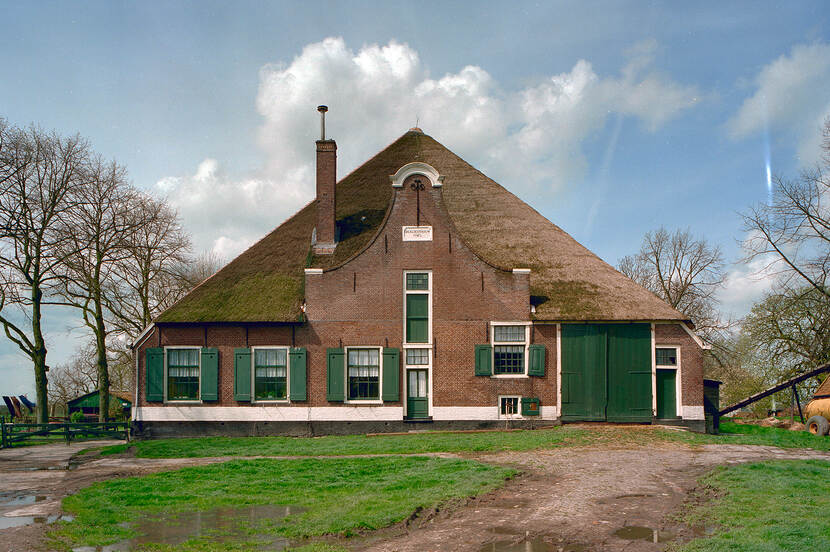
x,y
629,373
417,318
335,375
530,406
154,374
242,374
537,361
391,374
209,378
297,377
484,356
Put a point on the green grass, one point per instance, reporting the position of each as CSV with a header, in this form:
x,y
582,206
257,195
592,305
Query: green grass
x,y
493,441
342,496
767,507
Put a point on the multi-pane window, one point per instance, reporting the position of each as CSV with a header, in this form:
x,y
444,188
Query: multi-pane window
x,y
508,406
666,356
509,343
417,385
182,374
270,374
417,307
417,357
364,374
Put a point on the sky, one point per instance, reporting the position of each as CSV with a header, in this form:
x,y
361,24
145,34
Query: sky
x,y
610,118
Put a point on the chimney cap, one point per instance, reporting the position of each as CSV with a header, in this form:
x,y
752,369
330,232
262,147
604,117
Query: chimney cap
x,y
322,108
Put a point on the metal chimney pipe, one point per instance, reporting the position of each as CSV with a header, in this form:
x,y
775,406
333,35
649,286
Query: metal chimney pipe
x,y
322,109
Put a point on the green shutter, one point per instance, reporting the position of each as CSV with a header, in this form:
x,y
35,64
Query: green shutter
x,y
391,374
209,379
530,406
242,374
417,318
335,375
484,357
537,361
154,372
297,377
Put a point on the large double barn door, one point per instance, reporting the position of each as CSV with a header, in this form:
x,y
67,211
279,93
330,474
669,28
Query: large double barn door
x,y
606,372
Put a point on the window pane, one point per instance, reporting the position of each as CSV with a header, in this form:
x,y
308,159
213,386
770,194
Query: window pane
x,y
182,374
417,356
364,374
508,359
418,281
666,356
509,405
502,334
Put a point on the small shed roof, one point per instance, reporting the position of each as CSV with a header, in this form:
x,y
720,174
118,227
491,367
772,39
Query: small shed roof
x,y
90,400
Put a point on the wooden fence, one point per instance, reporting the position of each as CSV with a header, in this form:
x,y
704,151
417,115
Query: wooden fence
x,y
12,434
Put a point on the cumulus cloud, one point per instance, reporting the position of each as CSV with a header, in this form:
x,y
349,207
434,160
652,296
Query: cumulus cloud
x,y
785,98
531,137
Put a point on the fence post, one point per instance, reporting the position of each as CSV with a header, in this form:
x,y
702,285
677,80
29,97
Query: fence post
x,y
66,431
2,432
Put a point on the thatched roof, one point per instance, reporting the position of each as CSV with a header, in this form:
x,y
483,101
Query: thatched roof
x,y
568,282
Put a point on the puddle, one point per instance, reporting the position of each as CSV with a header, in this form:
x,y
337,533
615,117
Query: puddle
x,y
638,532
20,500
537,544
17,521
220,524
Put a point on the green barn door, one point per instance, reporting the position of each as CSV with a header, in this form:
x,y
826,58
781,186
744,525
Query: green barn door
x,y
629,373
583,372
666,394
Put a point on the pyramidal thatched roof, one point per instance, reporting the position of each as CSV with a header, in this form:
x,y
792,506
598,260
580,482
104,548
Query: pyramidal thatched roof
x,y
568,282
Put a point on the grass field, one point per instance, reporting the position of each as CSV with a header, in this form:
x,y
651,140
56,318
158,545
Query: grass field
x,y
567,435
767,507
339,496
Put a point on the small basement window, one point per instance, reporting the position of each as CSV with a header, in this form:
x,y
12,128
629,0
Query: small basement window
x,y
270,374
509,407
364,374
182,374
509,346
666,356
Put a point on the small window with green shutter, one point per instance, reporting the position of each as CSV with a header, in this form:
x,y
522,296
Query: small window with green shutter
x,y
418,296
270,374
509,349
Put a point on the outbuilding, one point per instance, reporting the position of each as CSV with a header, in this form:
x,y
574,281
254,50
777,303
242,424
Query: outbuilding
x,y
416,292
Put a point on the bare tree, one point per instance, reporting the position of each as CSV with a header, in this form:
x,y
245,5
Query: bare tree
x,y
38,173
150,275
684,271
99,230
792,232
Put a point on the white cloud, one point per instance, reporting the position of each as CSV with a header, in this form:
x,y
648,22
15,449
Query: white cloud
x,y
746,284
786,98
524,138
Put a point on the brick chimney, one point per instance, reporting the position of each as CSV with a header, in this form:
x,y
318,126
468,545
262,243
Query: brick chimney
x,y
326,178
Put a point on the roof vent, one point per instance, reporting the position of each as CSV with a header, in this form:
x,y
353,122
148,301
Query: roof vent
x,y
322,109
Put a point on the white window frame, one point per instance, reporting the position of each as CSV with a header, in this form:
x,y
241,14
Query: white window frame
x,y
517,415
198,399
493,344
677,378
427,367
346,398
287,398
428,293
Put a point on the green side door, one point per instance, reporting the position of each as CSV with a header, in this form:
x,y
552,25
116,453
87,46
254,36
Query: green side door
x,y
417,393
629,373
666,394
583,372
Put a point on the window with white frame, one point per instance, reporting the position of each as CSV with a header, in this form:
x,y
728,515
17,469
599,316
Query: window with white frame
x,y
270,374
417,292
509,407
363,371
666,357
509,349
183,374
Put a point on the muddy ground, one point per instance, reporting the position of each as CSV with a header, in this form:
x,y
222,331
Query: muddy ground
x,y
567,500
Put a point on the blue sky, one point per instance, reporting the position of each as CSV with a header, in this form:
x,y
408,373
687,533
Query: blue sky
x,y
611,118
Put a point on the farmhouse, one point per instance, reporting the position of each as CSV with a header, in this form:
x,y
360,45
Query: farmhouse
x,y
416,292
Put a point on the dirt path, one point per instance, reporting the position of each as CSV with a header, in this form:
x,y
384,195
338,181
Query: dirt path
x,y
566,500
572,500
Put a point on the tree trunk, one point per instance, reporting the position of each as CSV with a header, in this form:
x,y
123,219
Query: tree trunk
x,y
39,359
103,368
